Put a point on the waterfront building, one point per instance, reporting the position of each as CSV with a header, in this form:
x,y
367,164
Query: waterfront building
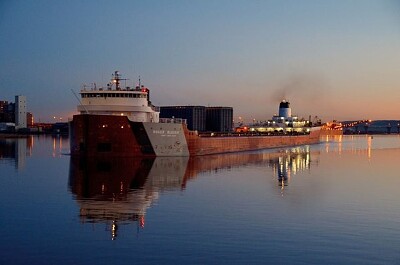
x,y
20,112
3,105
29,119
7,110
14,116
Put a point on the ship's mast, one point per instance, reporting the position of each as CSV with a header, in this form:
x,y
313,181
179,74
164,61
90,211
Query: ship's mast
x,y
116,80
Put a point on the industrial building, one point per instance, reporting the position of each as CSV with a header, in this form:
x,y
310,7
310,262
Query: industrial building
x,y
201,118
14,116
7,112
20,112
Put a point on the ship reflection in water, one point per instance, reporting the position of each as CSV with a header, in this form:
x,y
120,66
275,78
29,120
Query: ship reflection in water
x,y
118,191
289,162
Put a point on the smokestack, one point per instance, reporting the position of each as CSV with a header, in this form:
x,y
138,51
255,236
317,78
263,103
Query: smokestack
x,y
284,109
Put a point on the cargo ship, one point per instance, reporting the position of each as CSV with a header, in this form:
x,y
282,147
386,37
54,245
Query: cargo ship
x,y
122,121
333,128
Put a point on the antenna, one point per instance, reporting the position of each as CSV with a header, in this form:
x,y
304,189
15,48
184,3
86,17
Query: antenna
x,y
80,103
116,79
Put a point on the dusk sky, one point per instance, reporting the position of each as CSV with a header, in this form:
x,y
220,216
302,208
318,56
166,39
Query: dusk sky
x,y
334,59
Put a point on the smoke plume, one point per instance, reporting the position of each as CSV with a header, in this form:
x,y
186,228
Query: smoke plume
x,y
307,92
300,87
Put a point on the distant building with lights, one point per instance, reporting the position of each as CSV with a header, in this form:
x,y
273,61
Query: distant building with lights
x,y
29,119
14,116
7,111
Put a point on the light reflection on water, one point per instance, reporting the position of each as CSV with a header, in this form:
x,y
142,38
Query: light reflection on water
x,y
332,203
120,190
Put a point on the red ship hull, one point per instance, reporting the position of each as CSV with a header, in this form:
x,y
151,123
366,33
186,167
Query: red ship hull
x,y
97,135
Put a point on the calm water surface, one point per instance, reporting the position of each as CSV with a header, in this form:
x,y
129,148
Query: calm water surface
x,y
337,202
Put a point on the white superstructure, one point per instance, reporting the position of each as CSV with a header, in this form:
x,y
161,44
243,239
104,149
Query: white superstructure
x,y
284,122
285,117
115,100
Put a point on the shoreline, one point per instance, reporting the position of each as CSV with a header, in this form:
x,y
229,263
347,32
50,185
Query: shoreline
x,y
25,135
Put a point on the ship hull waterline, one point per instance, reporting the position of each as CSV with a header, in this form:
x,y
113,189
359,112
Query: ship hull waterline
x,y
102,135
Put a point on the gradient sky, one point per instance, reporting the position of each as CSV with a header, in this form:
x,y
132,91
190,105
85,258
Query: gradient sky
x,y
335,59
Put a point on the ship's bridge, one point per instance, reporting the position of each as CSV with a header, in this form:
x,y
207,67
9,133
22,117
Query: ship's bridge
x,y
114,100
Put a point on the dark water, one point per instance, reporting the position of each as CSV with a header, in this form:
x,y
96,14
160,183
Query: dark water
x,y
333,203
